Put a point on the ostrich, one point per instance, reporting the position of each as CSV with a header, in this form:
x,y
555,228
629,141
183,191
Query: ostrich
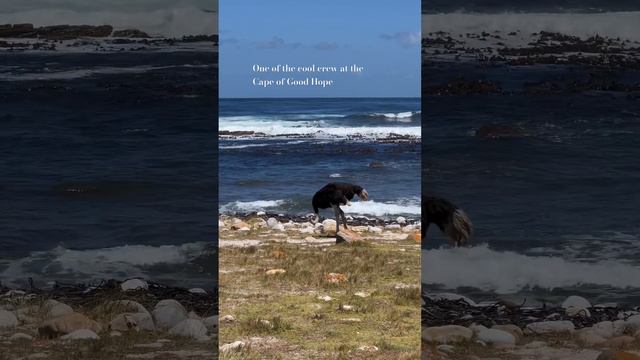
x,y
451,220
335,194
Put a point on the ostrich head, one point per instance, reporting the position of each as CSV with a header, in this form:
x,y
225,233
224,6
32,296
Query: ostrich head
x,y
362,193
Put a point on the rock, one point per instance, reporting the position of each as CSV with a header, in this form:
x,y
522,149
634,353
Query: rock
x,y
66,324
348,236
393,227
452,297
346,307
130,33
8,320
414,236
619,327
134,284
234,346
115,334
374,229
260,224
335,278
198,291
325,298
193,315
368,348
272,223
128,306
123,322
401,220
192,328
275,271
228,319
549,327
220,224
361,294
261,213
495,337
511,329
329,226
54,308
632,324
69,32
168,313
20,337
82,334
576,302
589,337
604,329
620,342
211,323
238,224
446,334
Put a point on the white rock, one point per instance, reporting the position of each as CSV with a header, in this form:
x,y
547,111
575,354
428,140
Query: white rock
x,y
619,327
123,322
211,323
589,337
361,294
368,348
447,334
198,291
329,225
20,337
8,320
374,229
511,329
234,346
576,302
633,323
549,327
393,227
82,334
495,337
272,222
134,284
261,213
192,328
115,334
325,298
168,313
54,308
220,224
401,220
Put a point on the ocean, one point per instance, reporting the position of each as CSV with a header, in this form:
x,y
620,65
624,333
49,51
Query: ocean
x,y
555,203
108,166
291,148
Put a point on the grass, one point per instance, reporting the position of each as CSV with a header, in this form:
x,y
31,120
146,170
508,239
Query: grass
x,y
306,327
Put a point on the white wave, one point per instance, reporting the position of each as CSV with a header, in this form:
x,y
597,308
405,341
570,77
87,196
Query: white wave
x,y
336,175
128,260
248,206
317,129
82,73
400,115
509,272
176,22
242,146
373,208
611,24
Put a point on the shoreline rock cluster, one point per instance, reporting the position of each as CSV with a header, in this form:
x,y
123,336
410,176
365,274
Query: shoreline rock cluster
x,y
111,309
451,321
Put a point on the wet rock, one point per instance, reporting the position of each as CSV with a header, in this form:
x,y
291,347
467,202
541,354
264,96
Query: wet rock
x,y
8,320
82,334
549,327
54,308
234,346
134,284
446,334
168,313
192,328
66,324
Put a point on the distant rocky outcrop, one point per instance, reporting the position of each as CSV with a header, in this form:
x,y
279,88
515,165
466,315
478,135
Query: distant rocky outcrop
x,y
130,33
54,32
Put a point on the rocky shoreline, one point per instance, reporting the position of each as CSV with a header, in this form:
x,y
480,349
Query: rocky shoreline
x,y
129,319
575,329
387,139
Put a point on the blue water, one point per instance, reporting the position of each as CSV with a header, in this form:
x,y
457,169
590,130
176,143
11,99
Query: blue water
x,y
101,151
307,143
555,211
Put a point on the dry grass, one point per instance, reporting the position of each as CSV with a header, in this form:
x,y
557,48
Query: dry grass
x,y
309,328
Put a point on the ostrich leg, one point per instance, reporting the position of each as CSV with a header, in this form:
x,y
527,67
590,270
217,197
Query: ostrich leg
x,y
336,210
344,218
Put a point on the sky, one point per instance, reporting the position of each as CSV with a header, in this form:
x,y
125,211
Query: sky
x,y
172,18
378,35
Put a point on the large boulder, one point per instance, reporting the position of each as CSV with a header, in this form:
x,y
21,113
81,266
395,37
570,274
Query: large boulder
x,y
549,327
348,236
134,284
168,313
53,308
82,334
66,324
8,320
494,337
